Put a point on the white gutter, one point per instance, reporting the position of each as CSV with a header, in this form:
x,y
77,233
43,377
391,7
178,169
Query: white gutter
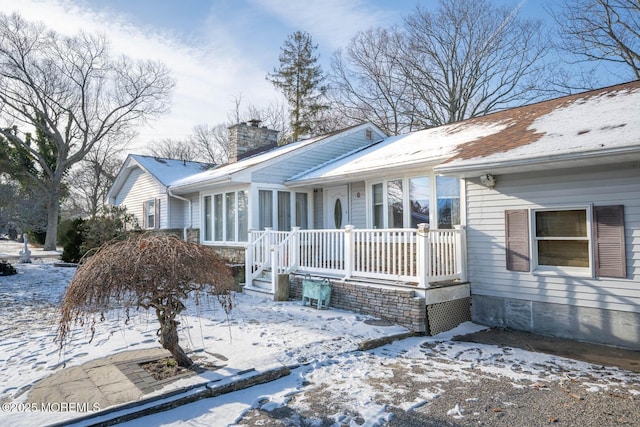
x,y
191,186
538,163
184,230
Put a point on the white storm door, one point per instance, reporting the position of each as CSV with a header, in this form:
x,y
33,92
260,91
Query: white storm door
x,y
336,207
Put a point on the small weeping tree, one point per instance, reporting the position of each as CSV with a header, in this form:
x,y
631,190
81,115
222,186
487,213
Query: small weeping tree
x,y
149,271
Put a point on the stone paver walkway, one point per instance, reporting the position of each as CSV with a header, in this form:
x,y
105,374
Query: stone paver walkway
x,y
103,382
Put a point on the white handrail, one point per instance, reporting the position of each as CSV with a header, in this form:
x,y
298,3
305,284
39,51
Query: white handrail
x,y
420,255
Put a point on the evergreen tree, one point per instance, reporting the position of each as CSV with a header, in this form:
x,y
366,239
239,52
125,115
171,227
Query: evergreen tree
x,y
300,78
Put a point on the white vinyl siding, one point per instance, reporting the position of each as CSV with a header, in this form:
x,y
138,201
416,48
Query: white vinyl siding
x,y
358,205
306,159
486,235
138,188
318,214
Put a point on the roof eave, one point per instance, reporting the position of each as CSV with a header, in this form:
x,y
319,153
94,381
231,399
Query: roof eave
x,y
550,162
387,172
197,186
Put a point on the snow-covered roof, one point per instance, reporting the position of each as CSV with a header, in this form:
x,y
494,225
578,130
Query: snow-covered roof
x,y
603,121
225,172
168,171
589,127
426,147
165,171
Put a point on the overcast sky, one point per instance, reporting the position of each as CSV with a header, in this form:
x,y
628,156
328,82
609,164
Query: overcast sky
x,y
219,50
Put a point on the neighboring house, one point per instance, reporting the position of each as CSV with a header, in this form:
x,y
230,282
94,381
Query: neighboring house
x,y
532,213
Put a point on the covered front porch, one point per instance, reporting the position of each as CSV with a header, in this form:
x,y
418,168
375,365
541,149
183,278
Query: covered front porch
x,y
394,273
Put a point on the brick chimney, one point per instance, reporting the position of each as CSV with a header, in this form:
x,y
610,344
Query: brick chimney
x,y
249,138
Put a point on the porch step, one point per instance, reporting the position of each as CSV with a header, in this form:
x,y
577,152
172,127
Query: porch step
x,y
262,283
258,292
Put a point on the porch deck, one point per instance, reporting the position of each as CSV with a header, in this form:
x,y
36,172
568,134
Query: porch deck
x,y
416,259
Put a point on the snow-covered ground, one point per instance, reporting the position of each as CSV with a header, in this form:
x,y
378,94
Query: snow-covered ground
x,y
261,334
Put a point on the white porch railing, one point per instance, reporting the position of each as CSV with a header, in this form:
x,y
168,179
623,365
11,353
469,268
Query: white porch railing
x,y
409,256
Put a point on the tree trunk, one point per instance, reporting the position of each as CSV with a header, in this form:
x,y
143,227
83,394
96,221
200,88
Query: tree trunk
x,y
53,210
169,341
169,336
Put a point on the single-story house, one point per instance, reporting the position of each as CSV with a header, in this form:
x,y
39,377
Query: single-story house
x,y
527,218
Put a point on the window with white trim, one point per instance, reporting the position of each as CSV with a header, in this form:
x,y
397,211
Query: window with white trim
x,y
286,207
407,202
302,210
226,217
207,218
150,213
448,196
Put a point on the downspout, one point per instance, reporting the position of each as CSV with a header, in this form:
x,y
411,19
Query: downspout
x,y
184,230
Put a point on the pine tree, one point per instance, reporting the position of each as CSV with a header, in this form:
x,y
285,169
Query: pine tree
x,y
300,78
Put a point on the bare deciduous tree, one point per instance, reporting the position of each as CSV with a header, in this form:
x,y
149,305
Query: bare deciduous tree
x,y
73,91
150,271
274,116
471,58
367,82
90,182
211,143
169,148
602,30
466,59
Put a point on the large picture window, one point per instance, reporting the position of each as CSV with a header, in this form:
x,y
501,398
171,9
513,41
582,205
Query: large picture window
x,y
290,208
407,202
226,217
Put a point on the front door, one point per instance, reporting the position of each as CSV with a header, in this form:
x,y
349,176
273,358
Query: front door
x,y
336,207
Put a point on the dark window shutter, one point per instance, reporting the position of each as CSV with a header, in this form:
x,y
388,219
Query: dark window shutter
x,y
157,214
608,224
144,215
517,239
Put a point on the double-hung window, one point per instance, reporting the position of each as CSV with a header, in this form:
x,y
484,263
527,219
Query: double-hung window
x,y
580,241
150,213
562,238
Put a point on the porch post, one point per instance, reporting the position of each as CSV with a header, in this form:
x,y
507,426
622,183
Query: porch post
x,y
274,267
349,249
461,252
423,256
294,249
248,260
266,244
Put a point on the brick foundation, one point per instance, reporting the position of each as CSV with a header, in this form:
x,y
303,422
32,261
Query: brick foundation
x,y
394,305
